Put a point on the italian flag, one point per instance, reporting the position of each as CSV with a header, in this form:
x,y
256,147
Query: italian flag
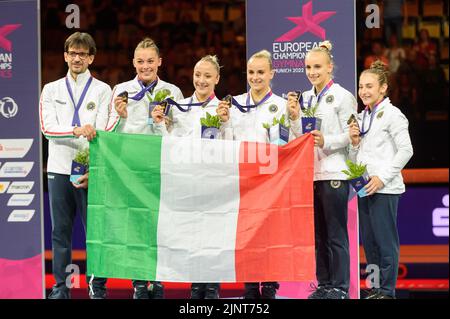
x,y
197,210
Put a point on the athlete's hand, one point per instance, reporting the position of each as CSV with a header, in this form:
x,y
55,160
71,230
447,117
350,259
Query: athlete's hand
x,y
121,107
318,138
293,106
223,111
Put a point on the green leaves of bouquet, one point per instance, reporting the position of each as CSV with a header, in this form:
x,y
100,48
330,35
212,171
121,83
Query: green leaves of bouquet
x,y
82,157
354,170
275,121
160,95
310,111
210,120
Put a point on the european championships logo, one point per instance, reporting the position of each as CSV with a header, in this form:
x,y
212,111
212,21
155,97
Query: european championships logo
x,y
6,57
289,55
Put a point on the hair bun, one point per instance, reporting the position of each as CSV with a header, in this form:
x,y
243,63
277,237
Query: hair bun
x,y
326,45
215,59
379,65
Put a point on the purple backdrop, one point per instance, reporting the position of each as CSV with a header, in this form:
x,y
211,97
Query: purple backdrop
x,y
423,215
290,28
21,244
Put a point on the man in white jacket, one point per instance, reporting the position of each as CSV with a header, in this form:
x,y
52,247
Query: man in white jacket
x,y
70,110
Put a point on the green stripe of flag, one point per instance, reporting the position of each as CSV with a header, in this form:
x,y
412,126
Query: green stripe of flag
x,y
121,229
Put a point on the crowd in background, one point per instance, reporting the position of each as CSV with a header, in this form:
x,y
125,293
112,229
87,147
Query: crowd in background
x,y
184,30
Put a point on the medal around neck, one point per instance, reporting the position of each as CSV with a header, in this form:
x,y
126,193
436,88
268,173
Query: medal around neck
x,y
357,176
80,165
309,120
278,131
210,126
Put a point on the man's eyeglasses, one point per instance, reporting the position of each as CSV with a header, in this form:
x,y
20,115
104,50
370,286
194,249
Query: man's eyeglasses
x,y
82,55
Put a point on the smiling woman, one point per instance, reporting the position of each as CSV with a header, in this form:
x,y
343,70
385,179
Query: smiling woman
x,y
147,61
383,144
333,105
263,107
187,123
131,114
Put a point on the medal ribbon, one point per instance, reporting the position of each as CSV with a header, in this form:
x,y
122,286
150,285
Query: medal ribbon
x,y
180,106
265,98
319,97
76,115
144,90
372,115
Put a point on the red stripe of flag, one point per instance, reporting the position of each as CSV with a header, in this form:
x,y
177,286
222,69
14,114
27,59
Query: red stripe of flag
x,y
275,232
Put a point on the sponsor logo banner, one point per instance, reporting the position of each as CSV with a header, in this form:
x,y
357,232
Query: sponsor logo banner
x,y
16,169
20,153
423,215
8,107
21,216
20,200
6,49
15,148
297,26
3,187
20,187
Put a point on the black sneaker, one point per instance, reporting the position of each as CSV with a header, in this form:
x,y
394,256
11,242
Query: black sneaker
x,y
197,292
319,293
157,291
336,293
59,293
372,294
268,292
252,293
212,293
97,292
382,296
140,292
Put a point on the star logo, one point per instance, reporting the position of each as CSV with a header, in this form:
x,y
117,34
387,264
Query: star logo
x,y
307,23
4,31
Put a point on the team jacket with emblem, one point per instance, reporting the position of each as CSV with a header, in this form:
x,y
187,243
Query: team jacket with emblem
x,y
249,126
386,148
56,111
187,124
138,111
335,108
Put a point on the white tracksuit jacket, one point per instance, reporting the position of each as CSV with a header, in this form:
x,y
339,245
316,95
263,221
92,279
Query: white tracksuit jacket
x,y
56,112
386,148
249,126
138,111
335,108
187,124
